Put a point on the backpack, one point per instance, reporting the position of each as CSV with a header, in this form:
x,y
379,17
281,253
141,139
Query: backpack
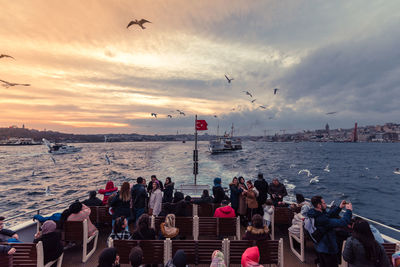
x,y
315,233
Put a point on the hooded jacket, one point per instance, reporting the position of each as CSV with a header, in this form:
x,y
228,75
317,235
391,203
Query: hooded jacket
x,y
253,233
251,257
326,222
110,189
225,212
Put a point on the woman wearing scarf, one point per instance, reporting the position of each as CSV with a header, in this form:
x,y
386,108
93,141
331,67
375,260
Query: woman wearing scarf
x,y
218,191
217,259
155,199
168,229
109,258
51,239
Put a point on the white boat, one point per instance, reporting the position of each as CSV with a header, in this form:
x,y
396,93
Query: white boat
x,y
60,148
15,141
225,143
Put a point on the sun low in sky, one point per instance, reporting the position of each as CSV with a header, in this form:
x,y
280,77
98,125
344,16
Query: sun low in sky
x,y
78,68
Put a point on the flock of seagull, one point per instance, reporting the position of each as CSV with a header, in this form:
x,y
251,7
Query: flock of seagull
x,y
315,178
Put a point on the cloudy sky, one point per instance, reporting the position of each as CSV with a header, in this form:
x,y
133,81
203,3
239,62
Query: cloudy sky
x,y
90,74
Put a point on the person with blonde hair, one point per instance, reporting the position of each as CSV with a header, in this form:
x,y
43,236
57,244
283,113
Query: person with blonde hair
x,y
217,259
121,203
168,229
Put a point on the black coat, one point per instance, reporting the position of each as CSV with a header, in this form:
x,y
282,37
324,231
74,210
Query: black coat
x,y
354,254
279,189
52,246
235,194
139,196
4,249
120,207
262,187
168,191
148,234
93,202
219,194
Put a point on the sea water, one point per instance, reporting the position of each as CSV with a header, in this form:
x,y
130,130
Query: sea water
x,y
358,172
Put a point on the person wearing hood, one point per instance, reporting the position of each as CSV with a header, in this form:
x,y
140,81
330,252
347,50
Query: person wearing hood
x,y
262,186
217,259
257,230
179,259
225,211
168,229
92,201
78,212
326,222
251,257
108,191
235,193
168,190
51,239
277,191
138,196
136,256
109,258
218,191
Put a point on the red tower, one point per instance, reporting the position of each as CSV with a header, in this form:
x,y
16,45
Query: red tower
x,y
355,137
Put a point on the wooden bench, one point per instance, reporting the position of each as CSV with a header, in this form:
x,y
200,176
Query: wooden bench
x,y
78,232
100,216
281,216
184,224
271,251
207,209
154,251
211,227
196,251
27,255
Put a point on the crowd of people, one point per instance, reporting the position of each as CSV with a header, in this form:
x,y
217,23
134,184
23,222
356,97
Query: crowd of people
x,y
254,203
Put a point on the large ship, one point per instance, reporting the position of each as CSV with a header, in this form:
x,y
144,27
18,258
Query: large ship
x,y
225,143
15,141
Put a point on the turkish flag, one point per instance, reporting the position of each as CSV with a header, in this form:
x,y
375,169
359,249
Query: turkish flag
x,y
201,125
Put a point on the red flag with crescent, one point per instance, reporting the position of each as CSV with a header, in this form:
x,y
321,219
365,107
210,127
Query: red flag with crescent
x,y
201,125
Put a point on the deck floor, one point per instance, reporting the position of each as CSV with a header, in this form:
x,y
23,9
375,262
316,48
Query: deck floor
x,y
73,256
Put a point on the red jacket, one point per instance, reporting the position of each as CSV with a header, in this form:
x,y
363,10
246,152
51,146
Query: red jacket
x,y
251,257
225,212
110,189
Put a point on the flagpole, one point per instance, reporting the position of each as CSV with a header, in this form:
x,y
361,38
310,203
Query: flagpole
x,y
195,153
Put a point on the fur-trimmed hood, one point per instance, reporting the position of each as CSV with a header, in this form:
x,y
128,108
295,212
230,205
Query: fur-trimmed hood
x,y
257,231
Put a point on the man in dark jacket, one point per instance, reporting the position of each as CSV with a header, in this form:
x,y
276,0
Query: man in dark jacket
x,y
93,201
325,222
262,186
6,234
277,191
139,196
150,185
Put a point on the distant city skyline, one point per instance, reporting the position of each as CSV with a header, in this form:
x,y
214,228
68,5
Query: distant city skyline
x,y
335,63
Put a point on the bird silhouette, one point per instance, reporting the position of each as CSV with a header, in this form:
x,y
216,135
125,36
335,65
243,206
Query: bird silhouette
x,y
215,116
138,22
181,112
330,113
8,84
306,171
275,91
252,101
169,116
229,80
154,114
263,107
314,180
248,93
4,55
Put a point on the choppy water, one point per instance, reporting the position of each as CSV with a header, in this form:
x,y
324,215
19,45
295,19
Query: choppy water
x,y
361,173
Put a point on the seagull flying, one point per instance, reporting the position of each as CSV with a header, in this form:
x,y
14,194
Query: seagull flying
x,y
275,91
47,191
292,165
181,112
138,22
169,116
215,116
4,55
248,93
54,161
8,84
263,107
229,80
327,168
306,171
314,180
107,159
154,114
330,113
252,101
